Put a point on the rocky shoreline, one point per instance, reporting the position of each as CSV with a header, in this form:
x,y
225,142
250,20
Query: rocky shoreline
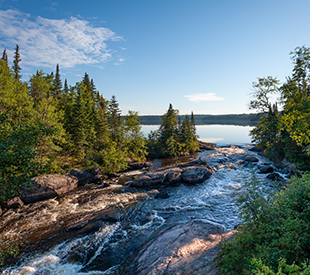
x,y
87,201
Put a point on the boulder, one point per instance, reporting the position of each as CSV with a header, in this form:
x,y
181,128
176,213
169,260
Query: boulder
x,y
205,145
83,177
174,175
48,186
140,165
13,203
150,179
250,158
195,174
274,176
265,168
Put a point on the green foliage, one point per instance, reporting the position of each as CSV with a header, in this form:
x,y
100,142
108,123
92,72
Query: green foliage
x,y
8,248
19,155
16,67
173,137
285,134
272,229
283,268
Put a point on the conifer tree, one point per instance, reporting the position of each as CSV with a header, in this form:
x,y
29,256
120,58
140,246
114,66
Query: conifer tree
x,y
5,56
16,68
114,119
57,90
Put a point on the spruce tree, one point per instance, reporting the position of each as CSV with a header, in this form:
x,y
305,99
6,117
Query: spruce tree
x,y
114,119
16,68
57,90
5,56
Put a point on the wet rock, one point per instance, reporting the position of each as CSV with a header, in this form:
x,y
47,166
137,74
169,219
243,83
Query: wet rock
x,y
13,203
174,175
205,145
187,248
162,195
140,165
256,149
250,158
48,186
83,177
274,177
195,174
265,168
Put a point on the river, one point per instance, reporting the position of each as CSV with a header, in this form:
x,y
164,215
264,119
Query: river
x,y
107,249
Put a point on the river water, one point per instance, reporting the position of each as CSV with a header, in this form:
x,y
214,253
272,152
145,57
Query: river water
x,y
104,250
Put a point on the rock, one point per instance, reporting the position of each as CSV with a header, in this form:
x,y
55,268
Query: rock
x,y
96,170
274,176
140,165
114,175
195,174
184,248
14,203
0,211
174,175
194,162
162,195
48,186
256,149
265,168
250,158
83,177
205,145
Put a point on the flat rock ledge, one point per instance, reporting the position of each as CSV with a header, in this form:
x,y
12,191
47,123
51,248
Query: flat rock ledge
x,y
187,249
191,175
48,186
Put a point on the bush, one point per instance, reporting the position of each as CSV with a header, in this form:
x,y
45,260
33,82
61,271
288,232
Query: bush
x,y
272,229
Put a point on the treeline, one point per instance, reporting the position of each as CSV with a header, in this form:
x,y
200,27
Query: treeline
x,y
284,131
50,127
274,236
232,119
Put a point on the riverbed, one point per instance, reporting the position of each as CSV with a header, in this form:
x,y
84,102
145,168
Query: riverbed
x,y
123,243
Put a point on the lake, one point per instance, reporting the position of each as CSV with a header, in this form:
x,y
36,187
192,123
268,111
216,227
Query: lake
x,y
219,134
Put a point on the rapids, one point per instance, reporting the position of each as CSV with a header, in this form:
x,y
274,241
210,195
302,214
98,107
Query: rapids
x,y
123,218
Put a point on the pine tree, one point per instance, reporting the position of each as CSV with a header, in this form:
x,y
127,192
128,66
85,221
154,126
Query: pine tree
x,y
5,56
114,119
16,68
193,124
57,90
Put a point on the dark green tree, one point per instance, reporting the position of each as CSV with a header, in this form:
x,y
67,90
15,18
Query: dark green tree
x,y
5,56
16,67
114,120
57,90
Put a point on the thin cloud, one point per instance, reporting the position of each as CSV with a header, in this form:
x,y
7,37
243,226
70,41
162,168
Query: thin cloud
x,y
68,42
203,97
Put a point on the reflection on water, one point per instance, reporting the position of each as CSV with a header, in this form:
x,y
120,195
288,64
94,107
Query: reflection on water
x,y
219,134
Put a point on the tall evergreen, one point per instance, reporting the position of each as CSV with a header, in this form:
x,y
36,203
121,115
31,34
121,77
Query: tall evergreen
x,y
57,90
16,68
114,119
5,56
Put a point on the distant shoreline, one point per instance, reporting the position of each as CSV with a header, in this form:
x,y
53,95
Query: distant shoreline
x,y
239,120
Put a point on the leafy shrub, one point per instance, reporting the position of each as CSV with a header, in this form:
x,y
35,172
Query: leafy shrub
x,y
272,229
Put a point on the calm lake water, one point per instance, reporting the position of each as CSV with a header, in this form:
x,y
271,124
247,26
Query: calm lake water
x,y
219,134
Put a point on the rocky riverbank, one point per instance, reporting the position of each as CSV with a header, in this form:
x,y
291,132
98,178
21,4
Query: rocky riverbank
x,y
140,222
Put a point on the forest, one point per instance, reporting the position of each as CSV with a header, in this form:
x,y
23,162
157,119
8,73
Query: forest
x,y
50,127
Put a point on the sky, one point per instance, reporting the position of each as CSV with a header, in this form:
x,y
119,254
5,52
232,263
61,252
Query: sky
x,y
198,55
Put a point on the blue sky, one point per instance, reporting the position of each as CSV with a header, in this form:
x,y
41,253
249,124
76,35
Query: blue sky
x,y
201,56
